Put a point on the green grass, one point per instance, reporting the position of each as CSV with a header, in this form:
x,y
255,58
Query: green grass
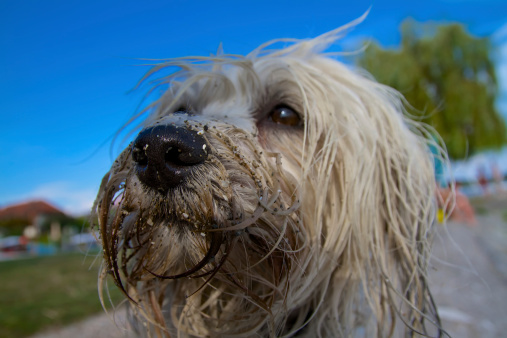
x,y
43,292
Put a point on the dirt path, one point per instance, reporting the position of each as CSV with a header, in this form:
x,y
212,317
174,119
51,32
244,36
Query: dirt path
x,y
468,279
469,275
99,326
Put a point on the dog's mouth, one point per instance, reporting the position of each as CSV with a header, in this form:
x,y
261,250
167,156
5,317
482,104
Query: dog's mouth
x,y
137,246
215,241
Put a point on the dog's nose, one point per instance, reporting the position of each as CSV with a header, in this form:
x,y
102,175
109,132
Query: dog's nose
x,y
165,155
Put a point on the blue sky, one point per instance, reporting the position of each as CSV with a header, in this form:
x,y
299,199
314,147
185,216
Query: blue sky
x,y
66,69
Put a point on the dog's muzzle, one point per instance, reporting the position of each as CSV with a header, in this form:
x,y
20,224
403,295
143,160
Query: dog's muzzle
x,y
165,155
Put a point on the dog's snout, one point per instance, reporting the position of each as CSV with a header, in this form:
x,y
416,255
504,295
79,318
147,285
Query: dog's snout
x,y
165,155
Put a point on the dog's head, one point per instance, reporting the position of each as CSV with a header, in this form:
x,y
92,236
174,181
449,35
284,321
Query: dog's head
x,y
275,193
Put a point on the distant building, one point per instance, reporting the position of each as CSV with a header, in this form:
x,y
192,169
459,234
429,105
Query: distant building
x,y
39,228
29,211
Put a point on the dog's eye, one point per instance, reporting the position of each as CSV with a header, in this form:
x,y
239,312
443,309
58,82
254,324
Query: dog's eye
x,y
285,115
181,110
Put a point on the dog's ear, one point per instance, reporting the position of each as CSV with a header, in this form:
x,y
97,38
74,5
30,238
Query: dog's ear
x,y
369,170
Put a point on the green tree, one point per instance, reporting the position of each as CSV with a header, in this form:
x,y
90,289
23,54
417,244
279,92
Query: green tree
x,y
447,75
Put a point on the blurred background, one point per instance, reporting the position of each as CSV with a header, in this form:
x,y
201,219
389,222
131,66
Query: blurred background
x,y
67,70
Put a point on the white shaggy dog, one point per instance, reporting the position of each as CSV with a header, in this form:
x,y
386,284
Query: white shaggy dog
x,y
276,194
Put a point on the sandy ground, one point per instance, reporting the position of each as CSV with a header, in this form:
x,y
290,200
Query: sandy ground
x,y
469,273
112,325
468,279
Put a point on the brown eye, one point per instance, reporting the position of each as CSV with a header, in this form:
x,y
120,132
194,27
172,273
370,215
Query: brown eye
x,y
285,115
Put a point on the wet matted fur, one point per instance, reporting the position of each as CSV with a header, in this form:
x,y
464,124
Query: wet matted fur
x,y
309,213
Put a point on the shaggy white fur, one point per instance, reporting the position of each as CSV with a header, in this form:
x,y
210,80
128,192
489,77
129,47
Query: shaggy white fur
x,y
310,214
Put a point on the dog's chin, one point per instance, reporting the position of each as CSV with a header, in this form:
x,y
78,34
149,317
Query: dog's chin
x,y
157,246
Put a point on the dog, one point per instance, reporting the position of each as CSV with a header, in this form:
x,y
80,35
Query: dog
x,y
281,193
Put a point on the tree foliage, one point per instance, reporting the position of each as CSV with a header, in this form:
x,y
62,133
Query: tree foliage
x,y
447,75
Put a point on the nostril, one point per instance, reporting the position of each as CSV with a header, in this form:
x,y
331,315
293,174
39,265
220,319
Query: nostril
x,y
185,155
139,156
172,157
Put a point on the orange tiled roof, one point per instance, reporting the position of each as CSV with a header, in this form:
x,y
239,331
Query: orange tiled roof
x,y
28,210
